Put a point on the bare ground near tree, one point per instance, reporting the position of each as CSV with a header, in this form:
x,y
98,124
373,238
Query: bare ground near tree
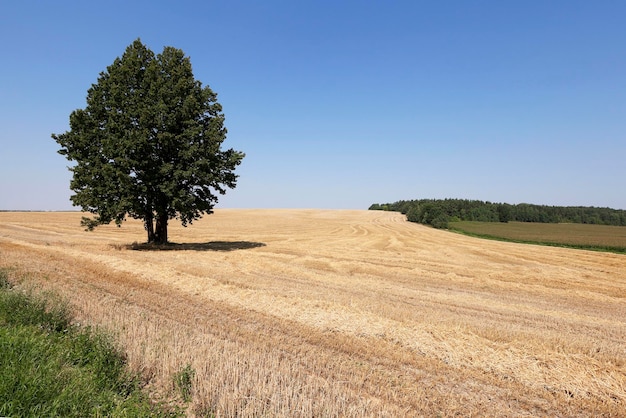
x,y
342,313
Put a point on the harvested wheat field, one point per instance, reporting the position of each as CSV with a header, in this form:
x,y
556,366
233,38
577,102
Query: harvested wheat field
x,y
342,313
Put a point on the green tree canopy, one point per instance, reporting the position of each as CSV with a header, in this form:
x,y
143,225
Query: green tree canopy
x,y
148,144
437,212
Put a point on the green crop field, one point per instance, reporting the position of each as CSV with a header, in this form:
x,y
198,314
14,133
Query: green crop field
x,y
593,237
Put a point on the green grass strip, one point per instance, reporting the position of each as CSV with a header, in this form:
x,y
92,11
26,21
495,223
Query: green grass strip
x,y
50,368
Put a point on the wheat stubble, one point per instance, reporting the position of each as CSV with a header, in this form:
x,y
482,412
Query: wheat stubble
x,y
344,313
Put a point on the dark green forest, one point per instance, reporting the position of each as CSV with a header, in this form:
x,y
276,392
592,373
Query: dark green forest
x,y
439,212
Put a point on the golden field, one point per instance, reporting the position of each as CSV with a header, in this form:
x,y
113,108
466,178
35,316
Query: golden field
x,y
342,313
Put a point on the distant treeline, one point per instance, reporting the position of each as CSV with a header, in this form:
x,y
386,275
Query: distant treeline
x,y
438,212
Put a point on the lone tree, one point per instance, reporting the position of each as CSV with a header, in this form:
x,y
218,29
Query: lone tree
x,y
148,144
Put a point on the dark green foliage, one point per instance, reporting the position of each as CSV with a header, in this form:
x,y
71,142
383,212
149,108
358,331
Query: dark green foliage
x,y
438,212
504,212
148,144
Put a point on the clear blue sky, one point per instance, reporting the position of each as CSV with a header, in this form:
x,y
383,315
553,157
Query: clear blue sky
x,y
340,104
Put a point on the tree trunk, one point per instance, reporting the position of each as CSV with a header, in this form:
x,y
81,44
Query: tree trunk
x,y
150,228
160,233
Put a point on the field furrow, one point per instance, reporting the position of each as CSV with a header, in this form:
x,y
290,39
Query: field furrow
x,y
343,313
